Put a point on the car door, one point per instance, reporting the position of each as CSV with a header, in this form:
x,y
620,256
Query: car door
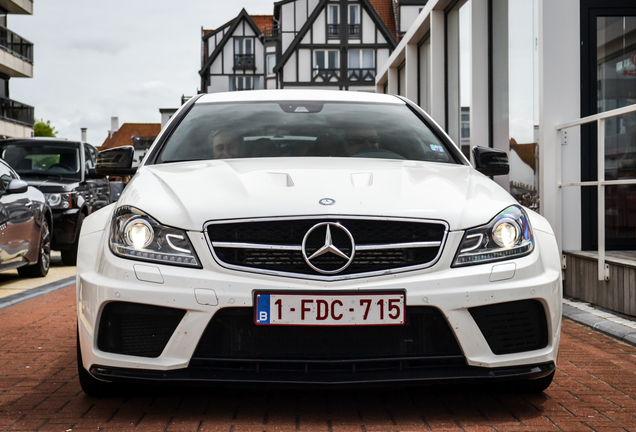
x,y
18,228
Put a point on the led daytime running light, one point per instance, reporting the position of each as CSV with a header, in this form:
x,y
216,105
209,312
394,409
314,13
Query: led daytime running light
x,y
507,236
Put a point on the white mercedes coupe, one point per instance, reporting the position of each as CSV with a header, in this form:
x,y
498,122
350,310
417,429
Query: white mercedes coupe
x,y
314,238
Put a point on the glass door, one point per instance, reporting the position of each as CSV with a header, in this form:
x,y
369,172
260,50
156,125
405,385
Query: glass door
x,y
610,83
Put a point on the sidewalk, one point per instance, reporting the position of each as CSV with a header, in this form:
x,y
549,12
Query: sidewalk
x,y
15,289
612,324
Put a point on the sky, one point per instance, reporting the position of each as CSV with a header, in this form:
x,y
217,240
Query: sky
x,y
125,58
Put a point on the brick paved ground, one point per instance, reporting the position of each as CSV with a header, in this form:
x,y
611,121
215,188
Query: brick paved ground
x,y
594,389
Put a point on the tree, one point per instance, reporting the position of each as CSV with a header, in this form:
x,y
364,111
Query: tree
x,y
44,129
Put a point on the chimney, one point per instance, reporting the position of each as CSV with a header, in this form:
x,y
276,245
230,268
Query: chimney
x,y
114,125
83,134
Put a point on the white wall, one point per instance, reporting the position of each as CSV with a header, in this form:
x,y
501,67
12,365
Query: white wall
x,y
305,64
559,102
368,28
408,15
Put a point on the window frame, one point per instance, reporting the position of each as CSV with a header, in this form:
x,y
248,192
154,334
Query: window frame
x,y
333,28
354,32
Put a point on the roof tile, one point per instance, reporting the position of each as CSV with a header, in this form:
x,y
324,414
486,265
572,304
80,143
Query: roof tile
x,y
387,13
124,136
263,21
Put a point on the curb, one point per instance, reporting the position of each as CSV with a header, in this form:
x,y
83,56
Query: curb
x,y
609,328
36,292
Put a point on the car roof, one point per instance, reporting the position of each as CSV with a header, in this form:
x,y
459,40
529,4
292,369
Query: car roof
x,y
299,95
43,140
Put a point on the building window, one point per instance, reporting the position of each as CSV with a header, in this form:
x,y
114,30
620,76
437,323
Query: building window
x,y
333,21
361,65
271,63
326,64
354,20
243,53
240,83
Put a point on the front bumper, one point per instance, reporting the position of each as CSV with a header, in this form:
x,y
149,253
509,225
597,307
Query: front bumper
x,y
103,279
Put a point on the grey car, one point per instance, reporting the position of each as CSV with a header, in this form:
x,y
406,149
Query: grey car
x,y
25,226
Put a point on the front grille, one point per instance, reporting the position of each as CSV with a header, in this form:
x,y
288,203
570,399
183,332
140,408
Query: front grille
x,y
233,335
137,329
513,327
275,246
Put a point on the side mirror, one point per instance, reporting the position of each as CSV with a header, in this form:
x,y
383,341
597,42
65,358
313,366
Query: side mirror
x,y
491,162
116,161
91,174
17,186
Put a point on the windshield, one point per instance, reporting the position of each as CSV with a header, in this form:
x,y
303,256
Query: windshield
x,y
37,159
303,129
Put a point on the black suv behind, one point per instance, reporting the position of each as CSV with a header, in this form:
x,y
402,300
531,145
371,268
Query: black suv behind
x,y
64,171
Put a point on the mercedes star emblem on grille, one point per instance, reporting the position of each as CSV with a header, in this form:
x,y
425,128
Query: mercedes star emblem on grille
x,y
328,252
327,201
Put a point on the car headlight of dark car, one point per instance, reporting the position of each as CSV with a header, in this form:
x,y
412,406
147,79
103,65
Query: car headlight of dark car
x,y
507,236
64,200
136,235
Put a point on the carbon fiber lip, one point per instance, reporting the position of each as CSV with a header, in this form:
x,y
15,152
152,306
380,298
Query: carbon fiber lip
x,y
455,374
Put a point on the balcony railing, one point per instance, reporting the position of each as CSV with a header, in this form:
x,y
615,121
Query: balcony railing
x,y
270,33
600,183
244,61
333,30
16,112
362,74
16,45
326,74
354,30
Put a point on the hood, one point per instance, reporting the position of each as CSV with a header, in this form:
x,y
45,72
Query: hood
x,y
51,184
186,195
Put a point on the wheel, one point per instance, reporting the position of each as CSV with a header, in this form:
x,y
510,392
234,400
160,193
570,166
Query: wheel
x,y
533,386
41,267
69,256
90,385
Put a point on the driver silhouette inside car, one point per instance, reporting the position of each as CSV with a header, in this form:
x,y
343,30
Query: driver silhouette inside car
x,y
227,144
360,139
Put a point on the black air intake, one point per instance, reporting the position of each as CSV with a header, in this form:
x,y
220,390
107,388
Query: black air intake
x,y
232,334
513,327
137,329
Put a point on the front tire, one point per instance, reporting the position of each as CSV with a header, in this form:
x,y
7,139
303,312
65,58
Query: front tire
x,y
41,267
91,385
69,256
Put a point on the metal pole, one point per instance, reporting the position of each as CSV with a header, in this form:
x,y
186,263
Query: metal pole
x,y
600,164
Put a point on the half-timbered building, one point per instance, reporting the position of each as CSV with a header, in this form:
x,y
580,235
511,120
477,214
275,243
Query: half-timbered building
x,y
331,44
233,55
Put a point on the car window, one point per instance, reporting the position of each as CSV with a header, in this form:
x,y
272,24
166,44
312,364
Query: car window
x,y
38,159
303,129
89,158
5,176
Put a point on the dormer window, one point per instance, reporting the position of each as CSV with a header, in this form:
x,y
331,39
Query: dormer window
x,y
333,21
354,21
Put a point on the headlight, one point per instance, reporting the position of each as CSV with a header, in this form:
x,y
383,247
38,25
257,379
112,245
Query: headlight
x,y
60,200
507,236
136,235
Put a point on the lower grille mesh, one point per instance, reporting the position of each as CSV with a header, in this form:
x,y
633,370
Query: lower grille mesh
x,y
232,334
137,329
513,327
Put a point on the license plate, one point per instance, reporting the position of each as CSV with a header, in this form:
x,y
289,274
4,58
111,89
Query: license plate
x,y
329,310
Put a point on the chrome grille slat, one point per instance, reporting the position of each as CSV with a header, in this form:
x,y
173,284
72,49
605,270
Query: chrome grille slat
x,y
273,246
